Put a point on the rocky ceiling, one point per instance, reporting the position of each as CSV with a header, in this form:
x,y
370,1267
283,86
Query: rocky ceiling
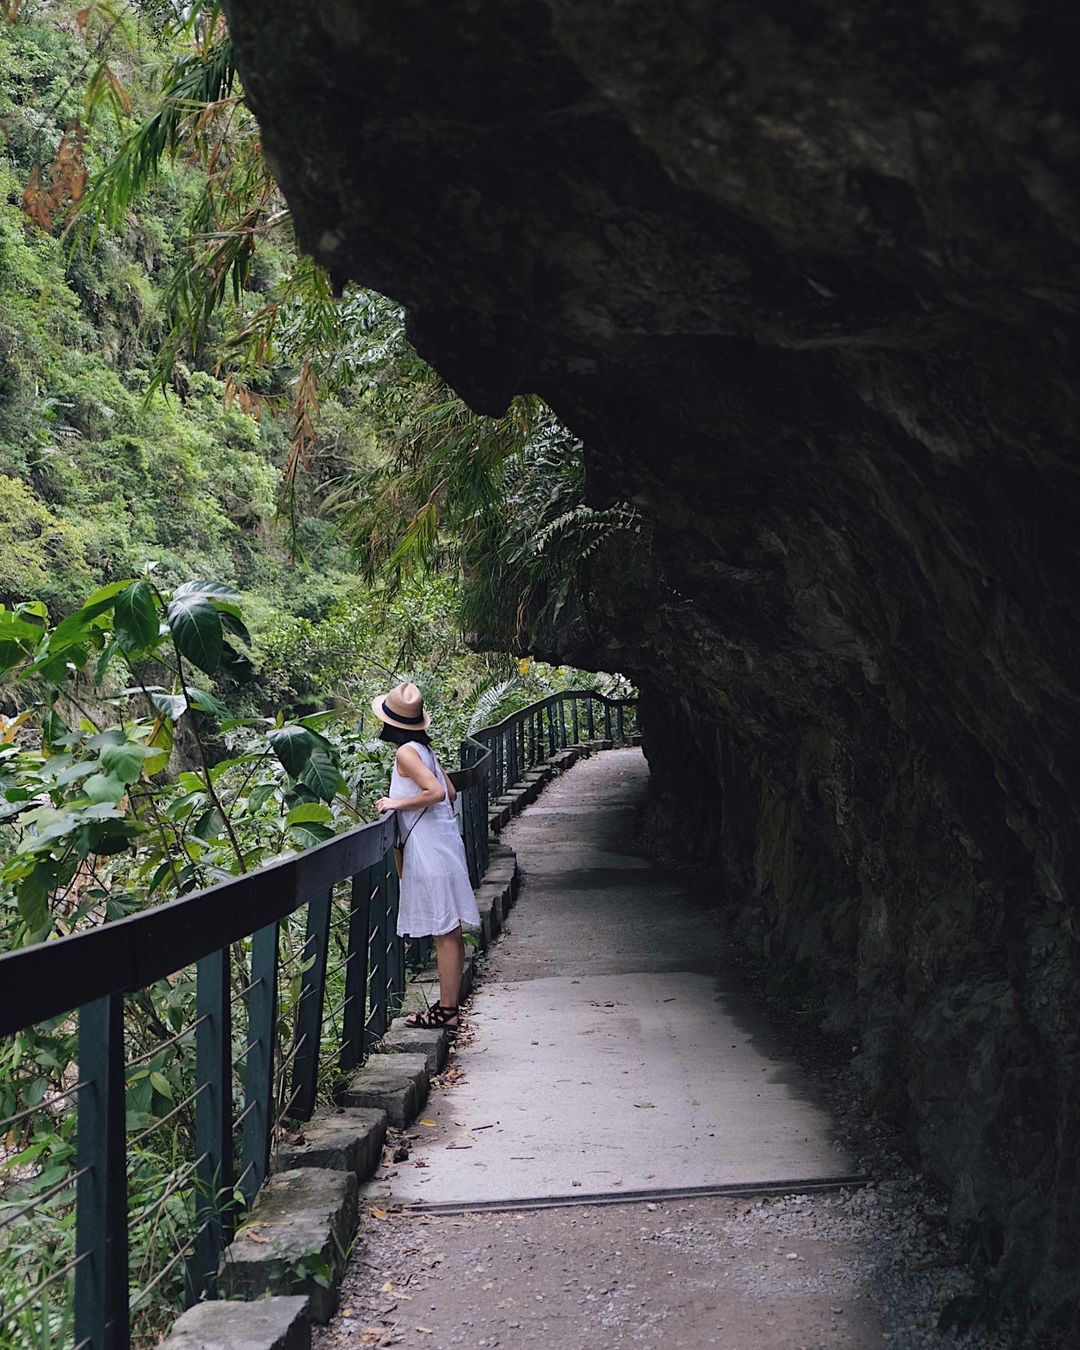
x,y
804,277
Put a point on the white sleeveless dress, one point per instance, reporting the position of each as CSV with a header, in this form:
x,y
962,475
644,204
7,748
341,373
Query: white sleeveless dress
x,y
435,893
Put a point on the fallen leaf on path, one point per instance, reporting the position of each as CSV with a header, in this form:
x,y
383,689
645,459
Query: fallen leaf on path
x,y
645,1106
426,1331
377,1213
429,1124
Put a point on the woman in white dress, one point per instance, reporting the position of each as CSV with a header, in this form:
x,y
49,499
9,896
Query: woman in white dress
x,y
436,896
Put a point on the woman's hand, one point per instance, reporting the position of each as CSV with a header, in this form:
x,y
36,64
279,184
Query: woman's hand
x,y
385,804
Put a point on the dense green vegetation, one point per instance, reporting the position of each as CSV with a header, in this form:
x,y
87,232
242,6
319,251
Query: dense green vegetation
x,y
233,508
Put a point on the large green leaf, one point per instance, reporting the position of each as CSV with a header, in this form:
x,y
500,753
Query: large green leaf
x,y
293,745
322,775
207,703
135,617
124,761
33,895
210,825
104,787
169,705
74,627
307,835
12,626
196,628
205,590
310,813
101,598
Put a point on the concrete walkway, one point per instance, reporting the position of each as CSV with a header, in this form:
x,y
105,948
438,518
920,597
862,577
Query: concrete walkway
x,y
605,1057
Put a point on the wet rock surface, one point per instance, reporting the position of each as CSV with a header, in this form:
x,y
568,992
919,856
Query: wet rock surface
x,y
804,279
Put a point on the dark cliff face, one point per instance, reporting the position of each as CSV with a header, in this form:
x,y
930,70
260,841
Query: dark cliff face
x,y
805,280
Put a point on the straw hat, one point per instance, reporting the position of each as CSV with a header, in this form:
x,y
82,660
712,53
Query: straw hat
x,y
403,708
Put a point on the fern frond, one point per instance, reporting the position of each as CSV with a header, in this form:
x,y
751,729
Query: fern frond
x,y
488,703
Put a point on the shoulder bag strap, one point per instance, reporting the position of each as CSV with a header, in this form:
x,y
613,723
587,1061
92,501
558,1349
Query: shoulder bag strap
x,y
403,837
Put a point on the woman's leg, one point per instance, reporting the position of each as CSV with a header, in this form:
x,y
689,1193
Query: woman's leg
x,y
450,959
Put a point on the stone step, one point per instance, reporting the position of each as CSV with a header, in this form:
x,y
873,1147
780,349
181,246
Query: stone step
x,y
343,1140
430,1042
491,901
295,1240
502,871
396,1084
279,1323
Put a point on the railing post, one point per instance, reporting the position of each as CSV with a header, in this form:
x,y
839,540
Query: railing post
x,y
379,975
468,820
354,1012
619,722
309,1011
213,1117
532,739
589,723
562,722
607,721
470,814
482,823
262,1044
101,1224
395,993
574,720
478,828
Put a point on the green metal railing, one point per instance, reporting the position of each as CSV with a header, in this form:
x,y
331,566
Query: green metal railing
x,y
321,927
534,734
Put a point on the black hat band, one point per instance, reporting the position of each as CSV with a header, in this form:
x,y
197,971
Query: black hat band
x,y
400,717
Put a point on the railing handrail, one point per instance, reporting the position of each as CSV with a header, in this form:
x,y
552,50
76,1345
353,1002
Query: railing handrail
x,y
546,702
51,978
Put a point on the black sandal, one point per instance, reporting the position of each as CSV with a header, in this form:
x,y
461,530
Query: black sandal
x,y
436,1016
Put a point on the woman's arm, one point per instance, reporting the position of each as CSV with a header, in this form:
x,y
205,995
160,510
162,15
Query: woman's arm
x,y
451,790
410,765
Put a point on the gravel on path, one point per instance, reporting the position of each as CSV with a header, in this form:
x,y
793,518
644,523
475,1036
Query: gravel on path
x,y
855,1270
